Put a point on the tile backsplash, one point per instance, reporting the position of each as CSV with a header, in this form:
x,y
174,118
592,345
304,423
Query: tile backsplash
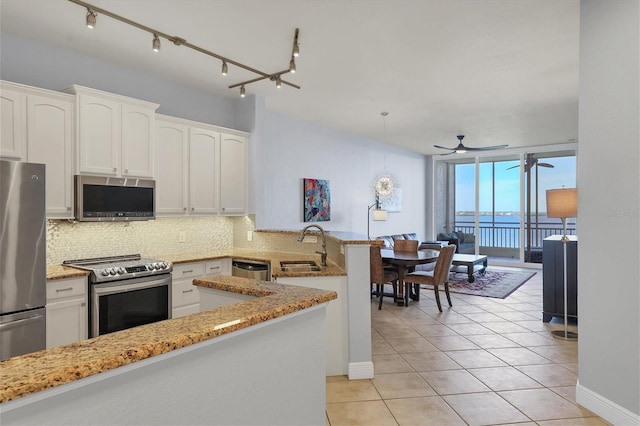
x,y
154,238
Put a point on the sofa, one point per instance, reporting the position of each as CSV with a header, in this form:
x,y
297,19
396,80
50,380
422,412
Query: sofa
x,y
465,243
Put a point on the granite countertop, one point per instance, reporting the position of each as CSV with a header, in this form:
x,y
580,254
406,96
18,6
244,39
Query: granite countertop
x,y
37,371
57,272
332,269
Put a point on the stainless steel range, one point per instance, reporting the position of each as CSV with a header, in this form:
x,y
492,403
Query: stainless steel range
x,y
126,291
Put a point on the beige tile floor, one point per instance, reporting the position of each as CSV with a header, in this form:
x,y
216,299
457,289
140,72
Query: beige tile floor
x,y
482,362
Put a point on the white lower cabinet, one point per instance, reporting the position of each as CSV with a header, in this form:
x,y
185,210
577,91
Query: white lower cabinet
x,y
66,311
185,297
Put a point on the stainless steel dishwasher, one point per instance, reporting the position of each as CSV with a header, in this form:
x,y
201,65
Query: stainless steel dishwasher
x,y
250,269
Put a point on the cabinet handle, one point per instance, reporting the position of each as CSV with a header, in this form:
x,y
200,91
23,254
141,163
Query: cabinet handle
x,y
184,208
115,169
68,209
83,304
223,209
187,291
187,272
126,170
60,290
214,268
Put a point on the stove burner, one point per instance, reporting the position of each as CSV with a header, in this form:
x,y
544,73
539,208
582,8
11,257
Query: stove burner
x,y
120,267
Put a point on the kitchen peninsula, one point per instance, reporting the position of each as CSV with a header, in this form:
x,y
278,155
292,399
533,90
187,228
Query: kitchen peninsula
x,y
262,357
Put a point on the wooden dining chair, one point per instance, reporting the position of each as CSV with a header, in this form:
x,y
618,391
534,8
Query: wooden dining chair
x,y
406,246
379,276
439,277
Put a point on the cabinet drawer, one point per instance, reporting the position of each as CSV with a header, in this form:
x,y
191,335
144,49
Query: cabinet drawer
x,y
183,292
213,267
188,270
72,287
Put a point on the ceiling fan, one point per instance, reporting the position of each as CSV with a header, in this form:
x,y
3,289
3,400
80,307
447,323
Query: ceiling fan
x,y
461,149
531,161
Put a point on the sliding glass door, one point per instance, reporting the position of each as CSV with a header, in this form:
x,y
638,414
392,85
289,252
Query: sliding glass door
x,y
499,200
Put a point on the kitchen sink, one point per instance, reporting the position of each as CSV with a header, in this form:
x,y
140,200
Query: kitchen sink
x,y
299,266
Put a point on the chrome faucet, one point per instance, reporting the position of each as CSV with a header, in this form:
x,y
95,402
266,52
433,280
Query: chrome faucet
x,y
323,253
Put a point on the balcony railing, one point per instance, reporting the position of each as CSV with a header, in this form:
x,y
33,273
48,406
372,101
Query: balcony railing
x,y
507,235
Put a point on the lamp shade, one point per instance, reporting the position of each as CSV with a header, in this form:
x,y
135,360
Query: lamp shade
x,y
562,203
379,214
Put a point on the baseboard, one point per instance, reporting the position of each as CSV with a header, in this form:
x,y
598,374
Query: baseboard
x,y
608,410
360,370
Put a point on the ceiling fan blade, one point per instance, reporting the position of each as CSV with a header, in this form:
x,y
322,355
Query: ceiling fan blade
x,y
486,148
551,166
444,147
513,167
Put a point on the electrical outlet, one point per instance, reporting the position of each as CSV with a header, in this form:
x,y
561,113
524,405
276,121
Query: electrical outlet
x,y
310,239
249,235
182,237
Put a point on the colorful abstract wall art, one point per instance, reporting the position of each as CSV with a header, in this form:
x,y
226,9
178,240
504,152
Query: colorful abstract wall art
x,y
317,201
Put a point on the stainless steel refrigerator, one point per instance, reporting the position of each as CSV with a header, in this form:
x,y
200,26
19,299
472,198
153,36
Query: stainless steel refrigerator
x,y
23,235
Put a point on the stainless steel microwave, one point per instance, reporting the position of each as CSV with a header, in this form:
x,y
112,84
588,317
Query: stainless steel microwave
x,y
107,199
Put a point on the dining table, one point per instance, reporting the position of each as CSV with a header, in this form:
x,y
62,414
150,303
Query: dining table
x,y
404,261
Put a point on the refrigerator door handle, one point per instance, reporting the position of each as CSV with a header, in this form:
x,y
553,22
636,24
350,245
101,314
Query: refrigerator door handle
x,y
21,322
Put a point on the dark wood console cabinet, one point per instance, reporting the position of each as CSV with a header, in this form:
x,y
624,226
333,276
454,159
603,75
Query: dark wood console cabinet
x,y
553,278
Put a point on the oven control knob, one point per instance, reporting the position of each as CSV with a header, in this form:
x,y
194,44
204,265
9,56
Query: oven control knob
x,y
164,265
121,270
112,271
151,266
104,272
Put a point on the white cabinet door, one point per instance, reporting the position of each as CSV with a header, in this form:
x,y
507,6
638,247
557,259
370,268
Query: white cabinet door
x,y
204,149
12,126
66,311
172,168
138,136
66,322
99,136
50,137
233,174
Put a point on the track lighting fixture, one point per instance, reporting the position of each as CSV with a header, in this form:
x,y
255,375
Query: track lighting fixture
x,y
156,43
92,12
91,18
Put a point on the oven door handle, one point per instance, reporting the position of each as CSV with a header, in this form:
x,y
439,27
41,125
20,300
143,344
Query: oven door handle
x,y
105,289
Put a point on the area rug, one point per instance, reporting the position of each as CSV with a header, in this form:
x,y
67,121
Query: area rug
x,y
494,283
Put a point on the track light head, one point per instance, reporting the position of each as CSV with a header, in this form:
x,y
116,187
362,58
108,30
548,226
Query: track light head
x,y
292,66
242,92
278,82
296,49
156,43
224,68
91,18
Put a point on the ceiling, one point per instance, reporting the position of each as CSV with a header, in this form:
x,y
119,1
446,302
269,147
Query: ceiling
x,y
497,71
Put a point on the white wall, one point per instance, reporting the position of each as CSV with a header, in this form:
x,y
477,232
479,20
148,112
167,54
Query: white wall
x,y
609,210
294,149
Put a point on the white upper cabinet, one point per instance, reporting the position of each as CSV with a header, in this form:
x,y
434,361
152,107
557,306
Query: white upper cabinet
x,y
172,168
13,142
116,134
233,174
50,136
204,152
38,127
200,169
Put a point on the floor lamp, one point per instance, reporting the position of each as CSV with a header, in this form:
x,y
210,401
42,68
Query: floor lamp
x,y
378,214
563,203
